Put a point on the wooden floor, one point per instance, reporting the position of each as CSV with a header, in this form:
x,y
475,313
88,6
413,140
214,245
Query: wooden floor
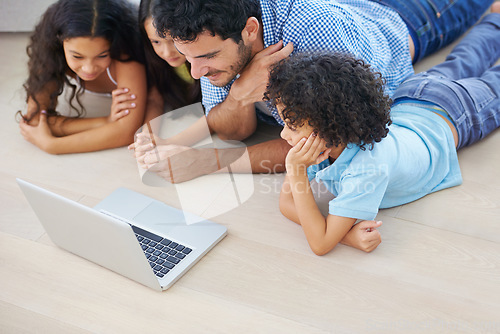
x,y
436,271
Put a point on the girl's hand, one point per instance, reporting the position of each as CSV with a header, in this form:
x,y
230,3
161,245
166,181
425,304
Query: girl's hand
x,y
308,151
121,104
364,236
40,134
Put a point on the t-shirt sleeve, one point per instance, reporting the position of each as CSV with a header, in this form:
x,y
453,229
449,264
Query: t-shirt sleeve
x,y
313,169
360,193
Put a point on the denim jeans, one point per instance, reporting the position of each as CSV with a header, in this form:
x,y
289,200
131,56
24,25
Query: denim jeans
x,y
437,23
465,85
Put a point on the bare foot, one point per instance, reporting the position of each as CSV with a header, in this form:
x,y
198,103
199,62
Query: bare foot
x,y
495,7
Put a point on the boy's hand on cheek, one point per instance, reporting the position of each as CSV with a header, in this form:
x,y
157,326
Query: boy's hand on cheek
x,y
308,151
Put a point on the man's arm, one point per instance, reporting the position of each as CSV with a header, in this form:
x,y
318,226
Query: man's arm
x,y
180,163
232,119
235,117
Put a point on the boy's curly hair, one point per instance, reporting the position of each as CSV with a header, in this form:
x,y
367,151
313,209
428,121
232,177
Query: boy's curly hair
x,y
339,96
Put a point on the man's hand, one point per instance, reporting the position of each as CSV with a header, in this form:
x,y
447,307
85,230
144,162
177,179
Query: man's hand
x,y
145,141
308,151
364,236
252,83
177,163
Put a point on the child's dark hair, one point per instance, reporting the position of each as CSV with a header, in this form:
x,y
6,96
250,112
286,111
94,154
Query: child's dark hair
x,y
175,90
114,20
185,20
339,96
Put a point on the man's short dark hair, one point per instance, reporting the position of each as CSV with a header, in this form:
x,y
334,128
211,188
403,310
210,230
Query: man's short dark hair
x,y
338,95
186,19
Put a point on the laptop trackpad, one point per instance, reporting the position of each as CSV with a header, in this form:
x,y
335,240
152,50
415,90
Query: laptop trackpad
x,y
160,217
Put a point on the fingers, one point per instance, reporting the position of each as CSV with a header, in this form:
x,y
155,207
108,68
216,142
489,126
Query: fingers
x,y
151,157
120,96
122,101
43,116
121,114
323,156
283,53
369,225
312,144
277,51
271,49
119,92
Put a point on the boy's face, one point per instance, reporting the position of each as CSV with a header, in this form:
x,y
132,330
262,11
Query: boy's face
x,y
293,134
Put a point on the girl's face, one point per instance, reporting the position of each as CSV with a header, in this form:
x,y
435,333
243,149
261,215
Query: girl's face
x,y
87,57
293,134
164,47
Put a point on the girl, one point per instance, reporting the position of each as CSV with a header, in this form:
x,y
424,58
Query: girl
x,y
170,83
90,46
170,86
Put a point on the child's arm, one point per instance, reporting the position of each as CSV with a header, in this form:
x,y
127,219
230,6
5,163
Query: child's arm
x,y
322,234
123,102
110,134
298,204
363,236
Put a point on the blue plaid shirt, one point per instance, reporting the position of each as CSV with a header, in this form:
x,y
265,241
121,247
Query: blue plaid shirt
x,y
366,29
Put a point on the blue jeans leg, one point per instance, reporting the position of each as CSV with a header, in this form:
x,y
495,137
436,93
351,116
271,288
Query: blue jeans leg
x,y
465,85
437,23
475,53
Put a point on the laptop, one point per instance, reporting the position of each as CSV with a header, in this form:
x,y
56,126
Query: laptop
x,y
127,232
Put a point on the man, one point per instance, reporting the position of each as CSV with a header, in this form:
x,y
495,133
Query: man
x,y
231,44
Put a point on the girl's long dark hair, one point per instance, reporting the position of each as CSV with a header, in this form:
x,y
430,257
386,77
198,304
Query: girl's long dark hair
x,y
176,92
113,20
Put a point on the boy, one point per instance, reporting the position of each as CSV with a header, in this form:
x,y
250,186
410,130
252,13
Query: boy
x,y
371,156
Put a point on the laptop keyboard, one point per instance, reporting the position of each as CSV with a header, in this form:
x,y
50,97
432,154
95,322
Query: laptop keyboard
x,y
163,254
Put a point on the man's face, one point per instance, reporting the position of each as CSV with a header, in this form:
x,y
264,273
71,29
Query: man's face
x,y
217,59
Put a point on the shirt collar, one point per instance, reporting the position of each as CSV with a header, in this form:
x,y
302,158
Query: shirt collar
x,y
334,171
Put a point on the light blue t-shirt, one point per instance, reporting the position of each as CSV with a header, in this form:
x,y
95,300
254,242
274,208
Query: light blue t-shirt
x,y
417,157
367,29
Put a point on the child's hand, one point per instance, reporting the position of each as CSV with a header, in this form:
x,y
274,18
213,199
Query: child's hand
x,y
364,236
121,104
40,134
308,151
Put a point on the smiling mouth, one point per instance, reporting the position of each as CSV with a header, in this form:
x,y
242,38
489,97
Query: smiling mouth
x,y
88,76
173,60
213,75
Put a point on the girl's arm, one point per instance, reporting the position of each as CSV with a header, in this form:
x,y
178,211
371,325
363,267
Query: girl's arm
x,y
43,99
129,75
123,102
